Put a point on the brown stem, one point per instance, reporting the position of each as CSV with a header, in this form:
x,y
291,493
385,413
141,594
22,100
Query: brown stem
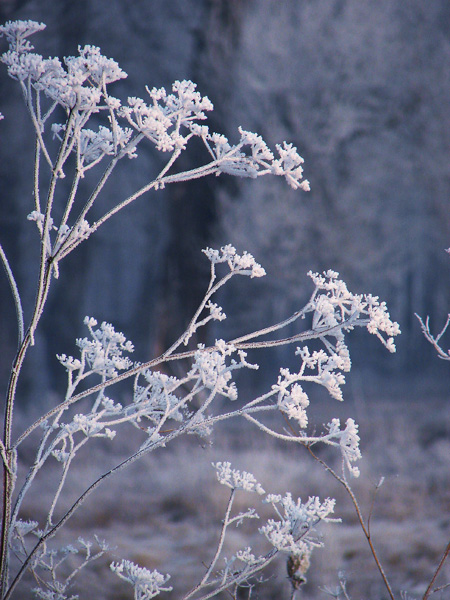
x,y
360,519
8,465
429,589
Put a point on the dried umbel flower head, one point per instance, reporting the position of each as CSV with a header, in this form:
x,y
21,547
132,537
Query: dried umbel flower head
x,y
297,566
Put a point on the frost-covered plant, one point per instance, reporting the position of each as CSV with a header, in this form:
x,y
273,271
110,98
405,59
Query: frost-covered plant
x,y
162,407
444,354
435,339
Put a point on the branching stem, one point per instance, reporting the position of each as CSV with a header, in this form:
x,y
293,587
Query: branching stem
x,y
429,589
362,523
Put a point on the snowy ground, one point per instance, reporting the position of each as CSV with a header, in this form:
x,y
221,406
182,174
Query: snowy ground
x,y
165,511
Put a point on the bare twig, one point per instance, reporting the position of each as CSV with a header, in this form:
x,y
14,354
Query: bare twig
x,y
16,296
429,589
365,529
434,340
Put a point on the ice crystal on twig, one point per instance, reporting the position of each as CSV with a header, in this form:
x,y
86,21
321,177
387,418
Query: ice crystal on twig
x,y
293,532
237,480
147,584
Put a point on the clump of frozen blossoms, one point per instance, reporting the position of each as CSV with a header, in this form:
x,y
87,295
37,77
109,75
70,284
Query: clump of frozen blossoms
x,y
292,532
161,407
147,584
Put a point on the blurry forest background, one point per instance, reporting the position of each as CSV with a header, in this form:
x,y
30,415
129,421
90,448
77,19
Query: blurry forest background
x,y
362,88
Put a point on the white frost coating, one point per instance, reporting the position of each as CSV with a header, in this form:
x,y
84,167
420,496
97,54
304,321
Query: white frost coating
x,y
147,584
237,480
292,533
338,306
243,264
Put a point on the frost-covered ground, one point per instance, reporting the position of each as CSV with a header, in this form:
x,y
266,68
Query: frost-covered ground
x,y
165,511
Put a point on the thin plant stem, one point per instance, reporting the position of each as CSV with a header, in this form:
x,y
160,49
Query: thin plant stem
x,y
225,524
8,468
16,297
429,589
366,531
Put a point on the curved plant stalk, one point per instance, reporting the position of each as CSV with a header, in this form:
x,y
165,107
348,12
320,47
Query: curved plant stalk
x,y
430,589
365,527
16,297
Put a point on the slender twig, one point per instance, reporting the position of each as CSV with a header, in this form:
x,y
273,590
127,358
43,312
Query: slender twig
x,y
16,296
440,588
69,241
197,173
8,476
372,504
434,340
26,90
37,164
367,534
343,587
213,562
429,589
239,578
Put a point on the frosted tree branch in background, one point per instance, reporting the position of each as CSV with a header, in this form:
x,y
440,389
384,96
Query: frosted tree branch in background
x,y
435,340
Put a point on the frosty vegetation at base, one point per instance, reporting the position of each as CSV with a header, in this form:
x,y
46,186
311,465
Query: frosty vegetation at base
x,y
80,87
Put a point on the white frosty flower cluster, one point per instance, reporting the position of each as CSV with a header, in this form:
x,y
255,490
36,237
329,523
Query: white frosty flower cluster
x,y
328,366
16,33
103,353
92,146
251,157
213,371
339,307
211,367
292,399
88,426
161,120
292,533
71,86
237,480
147,584
293,402
215,311
243,264
79,83
23,528
80,231
156,399
348,441
335,310
168,120
245,556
